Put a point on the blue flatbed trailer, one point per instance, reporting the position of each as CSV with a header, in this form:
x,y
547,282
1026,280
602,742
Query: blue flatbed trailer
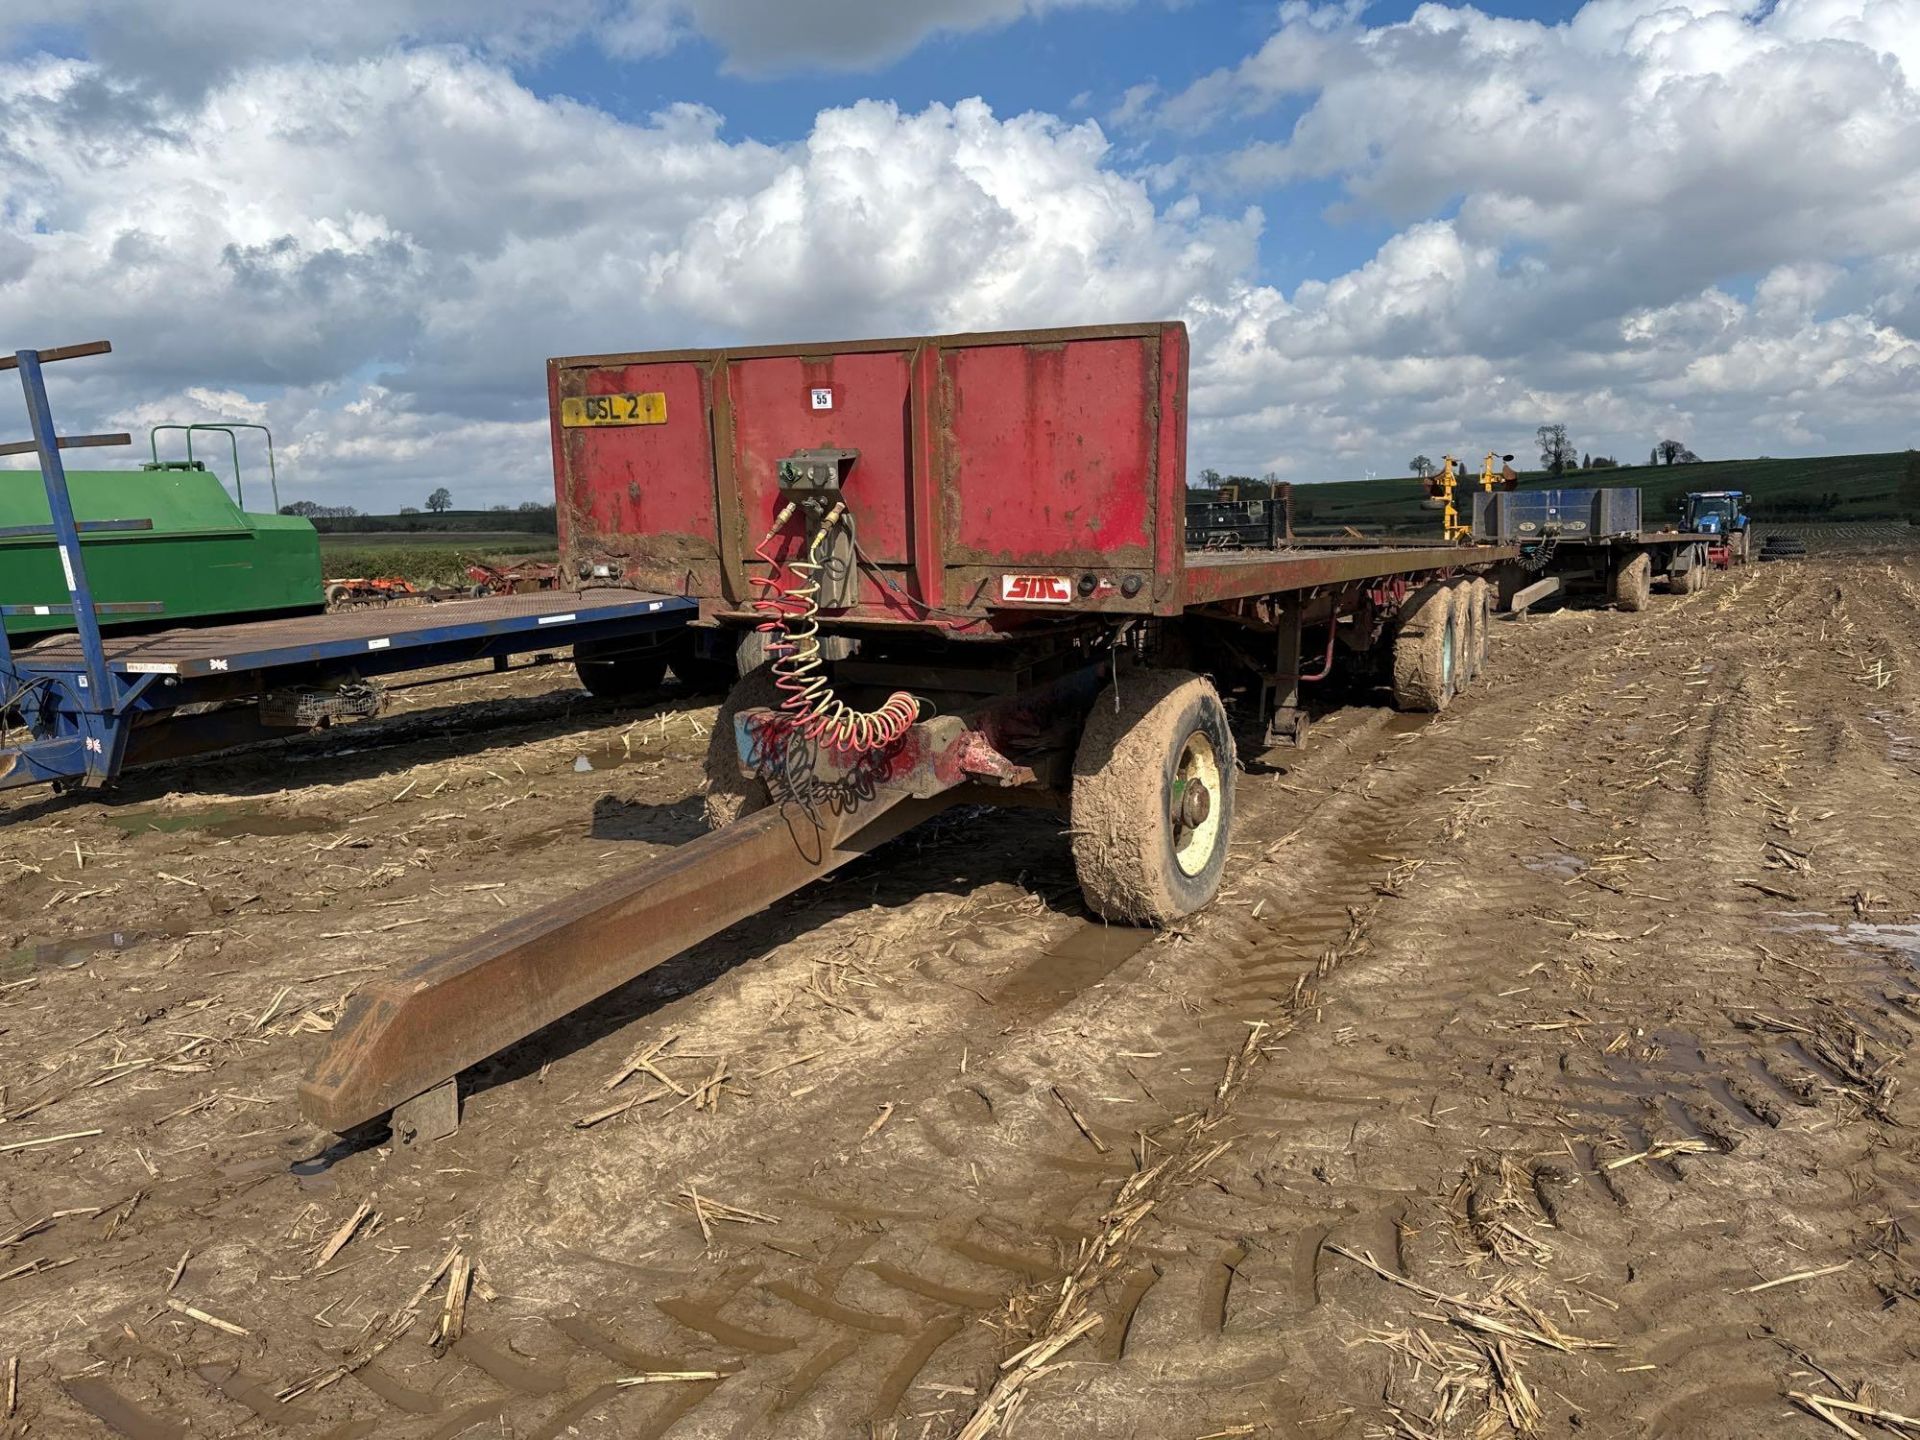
x,y
178,690
79,707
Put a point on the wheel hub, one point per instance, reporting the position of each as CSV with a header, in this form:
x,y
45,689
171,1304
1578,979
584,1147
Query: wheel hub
x,y
1191,808
1195,805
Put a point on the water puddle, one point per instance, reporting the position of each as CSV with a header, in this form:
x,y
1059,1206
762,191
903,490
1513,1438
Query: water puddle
x,y
610,757
1855,933
68,954
1904,938
1901,749
1563,866
1087,956
230,823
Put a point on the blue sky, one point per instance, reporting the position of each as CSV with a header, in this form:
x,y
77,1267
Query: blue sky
x,y
1390,229
1075,63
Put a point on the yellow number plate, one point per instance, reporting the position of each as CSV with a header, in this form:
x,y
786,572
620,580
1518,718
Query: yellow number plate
x,y
648,409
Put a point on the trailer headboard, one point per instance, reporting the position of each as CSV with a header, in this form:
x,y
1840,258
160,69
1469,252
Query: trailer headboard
x,y
990,474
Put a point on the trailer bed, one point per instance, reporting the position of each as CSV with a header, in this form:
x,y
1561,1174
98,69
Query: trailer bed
x,y
171,693
477,627
1214,575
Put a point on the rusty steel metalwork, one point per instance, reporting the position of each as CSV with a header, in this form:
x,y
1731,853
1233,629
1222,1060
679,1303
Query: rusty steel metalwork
x,y
409,1032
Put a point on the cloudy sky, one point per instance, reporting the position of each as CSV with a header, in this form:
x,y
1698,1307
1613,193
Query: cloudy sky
x,y
1392,229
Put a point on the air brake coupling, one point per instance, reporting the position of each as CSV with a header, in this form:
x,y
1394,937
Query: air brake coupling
x,y
815,480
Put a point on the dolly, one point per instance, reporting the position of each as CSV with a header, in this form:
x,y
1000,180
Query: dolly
x,y
993,528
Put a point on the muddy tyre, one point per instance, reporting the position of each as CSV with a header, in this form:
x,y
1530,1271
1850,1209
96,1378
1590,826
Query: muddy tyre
x,y
711,674
728,795
1426,650
1633,582
1152,806
621,677
1486,597
755,650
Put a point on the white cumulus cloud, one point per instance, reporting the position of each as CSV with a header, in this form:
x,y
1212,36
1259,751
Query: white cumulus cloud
x,y
1679,217
184,45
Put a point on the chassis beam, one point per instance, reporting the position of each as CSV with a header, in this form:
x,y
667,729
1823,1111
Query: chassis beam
x,y
408,1033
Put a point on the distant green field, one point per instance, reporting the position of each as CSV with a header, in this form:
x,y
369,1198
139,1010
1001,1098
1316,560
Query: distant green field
x,y
493,542
1831,488
432,527
349,556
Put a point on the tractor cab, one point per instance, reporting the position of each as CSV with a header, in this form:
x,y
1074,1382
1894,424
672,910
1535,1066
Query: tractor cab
x,y
1715,512
1722,514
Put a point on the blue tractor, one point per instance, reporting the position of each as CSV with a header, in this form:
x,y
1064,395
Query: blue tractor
x,y
1722,513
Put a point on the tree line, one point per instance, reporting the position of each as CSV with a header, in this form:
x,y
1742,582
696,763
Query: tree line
x,y
1558,455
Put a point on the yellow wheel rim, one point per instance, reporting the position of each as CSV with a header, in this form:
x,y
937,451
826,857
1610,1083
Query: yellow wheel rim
x,y
1193,843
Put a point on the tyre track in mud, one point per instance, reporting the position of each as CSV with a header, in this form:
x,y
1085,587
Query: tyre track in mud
x,y
895,1258
1645,1087
1314,1122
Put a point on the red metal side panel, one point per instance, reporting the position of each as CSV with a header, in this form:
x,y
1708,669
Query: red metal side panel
x,y
1052,453
983,459
618,483
774,415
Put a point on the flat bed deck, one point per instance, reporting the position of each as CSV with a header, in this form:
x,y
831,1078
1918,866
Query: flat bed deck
x,y
1231,574
494,625
84,725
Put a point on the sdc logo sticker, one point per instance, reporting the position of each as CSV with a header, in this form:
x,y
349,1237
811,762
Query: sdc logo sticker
x,y
1036,589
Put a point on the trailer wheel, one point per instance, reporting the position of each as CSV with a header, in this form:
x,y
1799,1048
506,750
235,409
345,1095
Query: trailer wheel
x,y
621,677
729,795
1485,595
756,650
1633,581
706,674
1152,807
1426,651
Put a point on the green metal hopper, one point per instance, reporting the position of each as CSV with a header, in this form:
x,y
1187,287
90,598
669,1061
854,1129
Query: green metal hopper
x,y
204,557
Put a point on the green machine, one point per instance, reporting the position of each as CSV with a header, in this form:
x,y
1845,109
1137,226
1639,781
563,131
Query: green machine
x,y
205,557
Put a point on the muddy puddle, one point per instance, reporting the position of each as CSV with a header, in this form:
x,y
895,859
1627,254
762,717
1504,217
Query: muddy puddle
x,y
1555,863
1077,963
71,952
1902,748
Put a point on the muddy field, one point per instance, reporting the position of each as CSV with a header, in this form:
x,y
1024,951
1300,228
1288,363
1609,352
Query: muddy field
x,y
1544,1069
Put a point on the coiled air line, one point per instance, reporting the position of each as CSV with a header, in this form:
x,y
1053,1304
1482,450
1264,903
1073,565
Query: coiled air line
x,y
808,702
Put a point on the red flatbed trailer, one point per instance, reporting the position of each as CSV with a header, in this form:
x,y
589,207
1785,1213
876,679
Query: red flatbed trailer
x,y
993,529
